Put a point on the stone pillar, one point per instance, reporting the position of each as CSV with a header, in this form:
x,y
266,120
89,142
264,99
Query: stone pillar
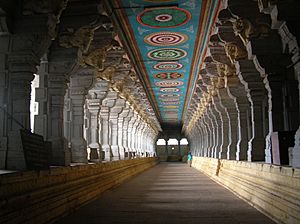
x,y
94,101
296,149
257,97
78,86
243,107
219,120
122,122
226,127
233,118
126,132
140,139
210,130
4,43
133,134
107,103
129,133
21,70
212,114
53,85
114,119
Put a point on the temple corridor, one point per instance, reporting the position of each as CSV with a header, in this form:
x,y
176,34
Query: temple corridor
x,y
98,97
168,193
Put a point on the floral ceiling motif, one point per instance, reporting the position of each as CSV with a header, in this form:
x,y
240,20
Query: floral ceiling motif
x,y
167,42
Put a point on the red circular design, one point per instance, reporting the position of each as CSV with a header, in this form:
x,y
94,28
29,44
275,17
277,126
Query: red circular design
x,y
166,38
168,65
164,18
169,83
169,90
168,75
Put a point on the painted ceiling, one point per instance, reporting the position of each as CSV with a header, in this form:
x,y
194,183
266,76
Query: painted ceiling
x,y
166,41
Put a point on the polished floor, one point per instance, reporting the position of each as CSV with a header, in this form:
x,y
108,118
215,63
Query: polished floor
x,y
169,193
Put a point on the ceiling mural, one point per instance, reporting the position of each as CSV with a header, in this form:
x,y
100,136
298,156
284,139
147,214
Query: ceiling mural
x,y
166,41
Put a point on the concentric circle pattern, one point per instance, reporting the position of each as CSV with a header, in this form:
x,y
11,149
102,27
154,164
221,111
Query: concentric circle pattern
x,y
168,65
170,107
169,90
167,54
168,75
164,17
169,83
170,99
169,95
166,38
170,103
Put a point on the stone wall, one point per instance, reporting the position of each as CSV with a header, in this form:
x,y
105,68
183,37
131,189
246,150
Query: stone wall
x,y
274,190
43,196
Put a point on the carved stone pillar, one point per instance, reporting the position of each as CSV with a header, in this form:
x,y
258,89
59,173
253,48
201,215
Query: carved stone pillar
x,y
95,96
243,108
121,135
199,139
209,138
130,133
226,127
256,93
21,70
296,149
78,86
114,119
233,123
126,132
219,119
217,132
4,46
134,134
107,103
51,96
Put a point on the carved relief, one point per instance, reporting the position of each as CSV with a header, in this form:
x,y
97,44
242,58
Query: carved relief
x,y
56,8
246,30
225,70
95,58
80,38
106,74
234,52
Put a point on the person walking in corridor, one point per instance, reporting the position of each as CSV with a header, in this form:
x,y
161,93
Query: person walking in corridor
x,y
189,159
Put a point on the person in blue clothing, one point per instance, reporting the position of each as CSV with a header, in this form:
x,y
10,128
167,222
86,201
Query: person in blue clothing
x,y
189,159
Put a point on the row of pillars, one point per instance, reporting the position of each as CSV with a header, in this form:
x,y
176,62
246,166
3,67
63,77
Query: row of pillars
x,y
95,119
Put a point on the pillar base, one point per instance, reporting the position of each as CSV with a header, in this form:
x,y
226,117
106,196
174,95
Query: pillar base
x,y
115,152
107,152
296,150
122,152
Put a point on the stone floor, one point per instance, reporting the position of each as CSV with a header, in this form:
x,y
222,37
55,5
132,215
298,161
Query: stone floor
x,y
168,193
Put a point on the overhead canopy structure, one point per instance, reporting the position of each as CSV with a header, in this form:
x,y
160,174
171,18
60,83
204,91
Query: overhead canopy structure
x,y
166,41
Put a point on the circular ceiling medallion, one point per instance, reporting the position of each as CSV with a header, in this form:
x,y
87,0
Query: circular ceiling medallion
x,y
169,95
166,39
170,99
171,112
167,54
169,90
170,103
168,65
164,17
169,83
170,107
168,75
